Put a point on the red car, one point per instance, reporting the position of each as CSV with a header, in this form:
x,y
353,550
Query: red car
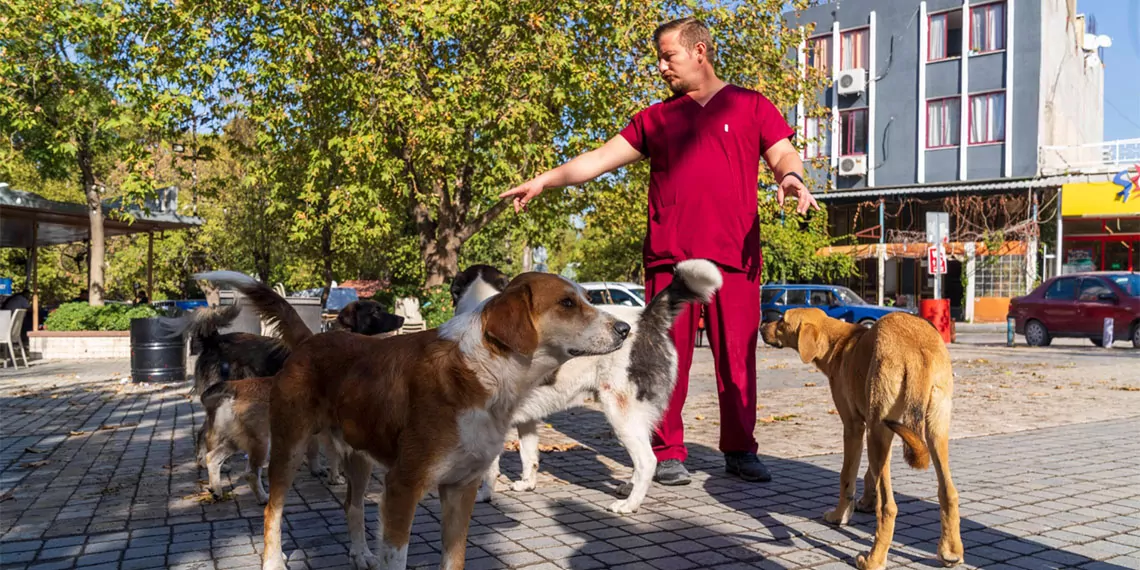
x,y
1076,305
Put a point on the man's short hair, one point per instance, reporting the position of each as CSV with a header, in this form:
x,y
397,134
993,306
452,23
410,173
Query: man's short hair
x,y
693,32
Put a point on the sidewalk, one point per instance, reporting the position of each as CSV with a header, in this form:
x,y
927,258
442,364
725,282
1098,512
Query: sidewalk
x,y
124,496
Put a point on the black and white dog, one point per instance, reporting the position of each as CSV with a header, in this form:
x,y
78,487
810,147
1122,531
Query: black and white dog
x,y
633,384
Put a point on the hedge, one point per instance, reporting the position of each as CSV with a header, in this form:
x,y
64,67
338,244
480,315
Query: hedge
x,y
84,317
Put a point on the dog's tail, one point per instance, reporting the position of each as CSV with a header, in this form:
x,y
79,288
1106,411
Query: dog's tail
x,y
202,323
271,306
694,281
915,451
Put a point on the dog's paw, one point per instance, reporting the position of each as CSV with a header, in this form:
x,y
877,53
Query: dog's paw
x,y
863,563
364,561
483,495
624,490
866,504
950,554
523,485
274,562
623,507
337,479
837,518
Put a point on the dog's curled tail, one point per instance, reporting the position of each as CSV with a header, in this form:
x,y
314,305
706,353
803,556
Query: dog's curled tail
x,y
915,452
694,281
202,323
268,304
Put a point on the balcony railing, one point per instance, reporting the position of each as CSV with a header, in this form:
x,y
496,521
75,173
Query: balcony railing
x,y
1095,158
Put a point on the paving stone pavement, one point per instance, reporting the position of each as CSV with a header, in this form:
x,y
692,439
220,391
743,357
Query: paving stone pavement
x,y
95,476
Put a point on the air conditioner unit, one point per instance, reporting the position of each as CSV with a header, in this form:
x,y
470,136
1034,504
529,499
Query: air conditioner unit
x,y
853,165
851,81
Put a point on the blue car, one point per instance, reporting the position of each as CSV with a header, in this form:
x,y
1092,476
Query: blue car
x,y
838,302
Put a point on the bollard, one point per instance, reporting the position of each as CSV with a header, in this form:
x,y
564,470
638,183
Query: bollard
x,y
1108,326
1010,326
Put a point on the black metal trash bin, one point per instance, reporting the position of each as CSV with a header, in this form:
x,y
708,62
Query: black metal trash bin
x,y
156,356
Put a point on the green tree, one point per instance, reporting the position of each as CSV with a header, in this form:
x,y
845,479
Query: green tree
x,y
85,86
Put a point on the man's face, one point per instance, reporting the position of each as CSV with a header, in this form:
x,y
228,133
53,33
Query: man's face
x,y
678,66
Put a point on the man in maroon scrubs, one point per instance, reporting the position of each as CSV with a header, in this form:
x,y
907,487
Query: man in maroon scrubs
x,y
704,146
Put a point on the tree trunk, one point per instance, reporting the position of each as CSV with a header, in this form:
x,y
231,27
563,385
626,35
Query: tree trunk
x,y
326,254
95,215
441,259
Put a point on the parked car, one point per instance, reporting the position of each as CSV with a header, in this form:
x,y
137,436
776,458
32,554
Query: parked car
x,y
176,307
838,302
1076,305
615,293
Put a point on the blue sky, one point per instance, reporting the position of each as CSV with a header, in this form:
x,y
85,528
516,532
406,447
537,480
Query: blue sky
x,y
1119,19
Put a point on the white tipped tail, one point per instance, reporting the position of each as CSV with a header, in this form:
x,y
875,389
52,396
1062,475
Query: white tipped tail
x,y
699,276
226,277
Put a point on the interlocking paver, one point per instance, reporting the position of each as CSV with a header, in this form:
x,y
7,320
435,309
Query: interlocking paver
x,y
125,497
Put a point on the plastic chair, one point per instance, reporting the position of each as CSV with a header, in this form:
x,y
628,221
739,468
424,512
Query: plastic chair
x,y
11,323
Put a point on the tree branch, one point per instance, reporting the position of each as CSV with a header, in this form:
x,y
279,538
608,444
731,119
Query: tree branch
x,y
482,220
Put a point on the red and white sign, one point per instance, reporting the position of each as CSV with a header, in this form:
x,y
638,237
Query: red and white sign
x,y
935,261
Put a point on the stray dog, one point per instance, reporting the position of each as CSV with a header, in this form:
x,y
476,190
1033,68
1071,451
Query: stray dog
x,y
431,408
475,284
893,378
633,384
236,356
237,419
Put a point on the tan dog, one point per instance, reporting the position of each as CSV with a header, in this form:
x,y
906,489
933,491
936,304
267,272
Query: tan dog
x,y
893,378
432,408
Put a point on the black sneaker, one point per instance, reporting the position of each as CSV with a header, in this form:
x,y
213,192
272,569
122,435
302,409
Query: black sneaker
x,y
672,472
747,466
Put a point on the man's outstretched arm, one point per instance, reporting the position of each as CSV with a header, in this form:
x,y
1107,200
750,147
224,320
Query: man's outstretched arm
x,y
616,153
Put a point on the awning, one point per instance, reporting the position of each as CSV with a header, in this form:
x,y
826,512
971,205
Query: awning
x,y
66,222
954,250
997,185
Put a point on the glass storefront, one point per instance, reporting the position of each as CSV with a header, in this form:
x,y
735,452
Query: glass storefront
x,y
1101,245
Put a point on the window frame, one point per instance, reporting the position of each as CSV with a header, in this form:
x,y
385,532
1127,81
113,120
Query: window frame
x,y
809,45
866,32
823,145
1076,289
959,134
1004,27
843,147
970,125
946,37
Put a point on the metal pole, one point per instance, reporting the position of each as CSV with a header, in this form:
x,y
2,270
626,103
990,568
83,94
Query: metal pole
x,y
35,279
1060,234
150,266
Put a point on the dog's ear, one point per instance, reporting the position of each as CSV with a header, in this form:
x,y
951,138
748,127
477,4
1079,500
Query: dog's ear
x,y
508,321
810,343
346,318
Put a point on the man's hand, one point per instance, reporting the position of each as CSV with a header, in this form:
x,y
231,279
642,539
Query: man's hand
x,y
524,192
791,186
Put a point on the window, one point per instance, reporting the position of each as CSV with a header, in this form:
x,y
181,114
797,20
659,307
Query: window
x,y
819,53
795,297
1130,283
1091,289
987,28
597,296
943,122
770,295
821,298
945,39
853,49
1063,289
817,136
987,118
622,298
853,132
638,292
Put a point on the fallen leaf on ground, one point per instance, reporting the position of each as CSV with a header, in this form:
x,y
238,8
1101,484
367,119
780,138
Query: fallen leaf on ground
x,y
34,450
207,498
34,464
106,427
558,447
1127,388
773,419
699,418
833,412
809,384
76,433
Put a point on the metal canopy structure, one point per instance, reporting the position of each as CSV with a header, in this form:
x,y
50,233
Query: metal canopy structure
x,y
30,221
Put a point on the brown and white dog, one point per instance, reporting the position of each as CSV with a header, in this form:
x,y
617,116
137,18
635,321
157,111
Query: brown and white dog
x,y
633,384
431,408
892,378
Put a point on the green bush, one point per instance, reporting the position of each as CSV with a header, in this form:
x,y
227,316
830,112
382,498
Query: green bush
x,y
84,317
435,303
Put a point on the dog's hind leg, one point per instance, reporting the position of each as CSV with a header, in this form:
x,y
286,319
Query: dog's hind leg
x,y
332,458
950,549
288,440
879,457
528,453
632,424
214,460
852,453
313,458
258,458
456,502
358,469
490,477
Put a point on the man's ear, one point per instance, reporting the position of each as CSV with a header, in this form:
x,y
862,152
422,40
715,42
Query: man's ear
x,y
810,343
508,321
